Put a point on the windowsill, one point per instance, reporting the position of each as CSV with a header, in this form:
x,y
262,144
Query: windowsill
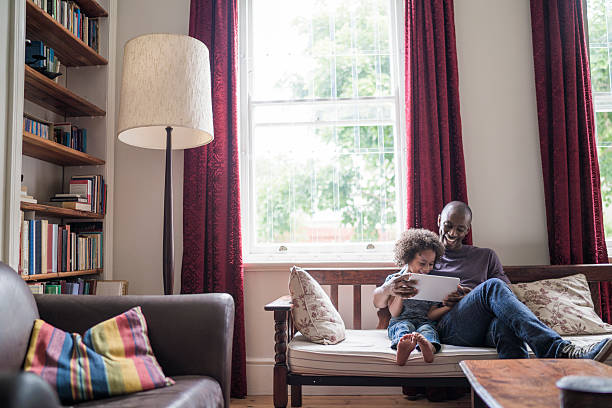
x,y
285,265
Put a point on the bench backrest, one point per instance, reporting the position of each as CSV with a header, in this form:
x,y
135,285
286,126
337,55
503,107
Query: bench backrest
x,y
356,277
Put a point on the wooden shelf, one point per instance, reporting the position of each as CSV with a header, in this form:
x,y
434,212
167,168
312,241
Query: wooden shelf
x,y
70,50
58,275
92,8
46,93
49,151
59,211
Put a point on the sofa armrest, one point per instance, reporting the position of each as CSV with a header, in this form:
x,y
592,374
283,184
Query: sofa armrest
x,y
26,390
189,334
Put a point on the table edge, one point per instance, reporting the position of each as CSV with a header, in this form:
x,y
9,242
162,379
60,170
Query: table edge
x,y
477,387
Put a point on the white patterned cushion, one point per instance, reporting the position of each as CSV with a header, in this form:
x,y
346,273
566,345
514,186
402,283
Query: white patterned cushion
x,y
314,314
565,305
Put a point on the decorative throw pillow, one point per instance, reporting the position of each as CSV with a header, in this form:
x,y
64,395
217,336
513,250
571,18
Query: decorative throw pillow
x,y
565,305
112,358
314,315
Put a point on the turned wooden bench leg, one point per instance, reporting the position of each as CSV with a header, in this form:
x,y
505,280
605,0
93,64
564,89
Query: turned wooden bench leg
x,y
280,359
296,395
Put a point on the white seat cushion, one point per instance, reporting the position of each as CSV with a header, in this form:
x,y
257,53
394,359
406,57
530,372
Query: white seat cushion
x,y
369,353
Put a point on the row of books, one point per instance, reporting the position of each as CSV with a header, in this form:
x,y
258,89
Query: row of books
x,y
86,193
69,135
77,286
42,58
64,133
69,14
48,248
36,128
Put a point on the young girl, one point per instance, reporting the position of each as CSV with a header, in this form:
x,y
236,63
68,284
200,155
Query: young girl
x,y
413,322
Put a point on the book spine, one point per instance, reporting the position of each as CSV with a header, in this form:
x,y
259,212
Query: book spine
x,y
64,250
25,247
44,234
37,245
59,248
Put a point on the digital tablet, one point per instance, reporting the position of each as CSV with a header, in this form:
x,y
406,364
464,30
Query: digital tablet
x,y
434,288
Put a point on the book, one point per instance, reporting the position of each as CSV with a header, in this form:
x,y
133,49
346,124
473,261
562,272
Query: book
x,y
73,205
37,248
36,288
111,287
55,249
25,248
28,199
83,187
53,289
43,245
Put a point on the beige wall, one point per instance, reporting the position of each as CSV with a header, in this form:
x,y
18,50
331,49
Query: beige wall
x,y
139,173
500,143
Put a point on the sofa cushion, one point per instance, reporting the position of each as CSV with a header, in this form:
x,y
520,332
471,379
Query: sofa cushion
x,y
187,392
369,353
564,304
18,314
314,315
114,357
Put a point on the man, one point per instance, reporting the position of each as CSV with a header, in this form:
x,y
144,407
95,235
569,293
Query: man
x,y
484,311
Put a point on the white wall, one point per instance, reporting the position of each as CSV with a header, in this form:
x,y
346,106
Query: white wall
x,y
501,152
500,129
139,173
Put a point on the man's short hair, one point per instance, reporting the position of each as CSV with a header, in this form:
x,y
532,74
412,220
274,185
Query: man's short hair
x,y
458,205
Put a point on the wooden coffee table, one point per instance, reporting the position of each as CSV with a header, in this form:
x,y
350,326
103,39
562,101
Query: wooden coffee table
x,y
523,383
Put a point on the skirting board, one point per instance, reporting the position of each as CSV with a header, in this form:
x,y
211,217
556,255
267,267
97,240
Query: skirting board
x,y
259,382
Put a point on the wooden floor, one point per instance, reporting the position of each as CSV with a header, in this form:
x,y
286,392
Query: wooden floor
x,y
378,401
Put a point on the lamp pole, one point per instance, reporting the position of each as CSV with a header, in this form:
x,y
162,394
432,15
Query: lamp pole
x,y
168,246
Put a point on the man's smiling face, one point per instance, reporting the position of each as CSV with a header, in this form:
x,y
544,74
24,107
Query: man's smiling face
x,y
454,224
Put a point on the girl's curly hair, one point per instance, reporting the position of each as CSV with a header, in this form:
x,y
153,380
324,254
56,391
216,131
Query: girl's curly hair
x,y
414,241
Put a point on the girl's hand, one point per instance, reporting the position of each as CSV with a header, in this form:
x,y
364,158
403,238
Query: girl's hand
x,y
403,286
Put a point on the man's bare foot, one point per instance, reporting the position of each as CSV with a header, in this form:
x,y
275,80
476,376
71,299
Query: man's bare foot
x,y
405,346
426,347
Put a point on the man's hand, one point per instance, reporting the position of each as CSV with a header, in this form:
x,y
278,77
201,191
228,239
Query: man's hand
x,y
403,286
455,297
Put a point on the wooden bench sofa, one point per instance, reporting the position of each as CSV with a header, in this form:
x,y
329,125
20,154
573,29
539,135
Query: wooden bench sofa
x,y
284,330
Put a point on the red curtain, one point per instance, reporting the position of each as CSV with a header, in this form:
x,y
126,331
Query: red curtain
x,y
212,248
436,170
567,137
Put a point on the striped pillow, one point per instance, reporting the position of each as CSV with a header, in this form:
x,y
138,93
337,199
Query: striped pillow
x,y
112,358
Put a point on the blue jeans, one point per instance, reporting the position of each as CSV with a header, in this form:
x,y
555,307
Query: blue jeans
x,y
491,315
400,328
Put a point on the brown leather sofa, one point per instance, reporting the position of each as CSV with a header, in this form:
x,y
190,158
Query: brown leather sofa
x,y
191,337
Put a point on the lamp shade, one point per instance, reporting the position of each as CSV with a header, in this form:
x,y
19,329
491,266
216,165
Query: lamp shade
x,y
166,82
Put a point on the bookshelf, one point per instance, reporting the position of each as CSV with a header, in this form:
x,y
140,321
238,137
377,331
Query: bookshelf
x,y
81,96
60,275
49,151
71,51
45,92
59,212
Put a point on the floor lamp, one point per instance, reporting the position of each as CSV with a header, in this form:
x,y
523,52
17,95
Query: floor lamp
x,y
166,104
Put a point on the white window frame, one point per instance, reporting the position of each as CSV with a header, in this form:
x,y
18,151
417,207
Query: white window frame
x,y
353,252
604,104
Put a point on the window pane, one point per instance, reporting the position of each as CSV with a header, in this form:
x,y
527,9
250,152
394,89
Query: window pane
x,y
604,152
324,184
322,123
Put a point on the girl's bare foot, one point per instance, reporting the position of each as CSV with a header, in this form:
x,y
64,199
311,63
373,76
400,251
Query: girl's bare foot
x,y
405,346
426,347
